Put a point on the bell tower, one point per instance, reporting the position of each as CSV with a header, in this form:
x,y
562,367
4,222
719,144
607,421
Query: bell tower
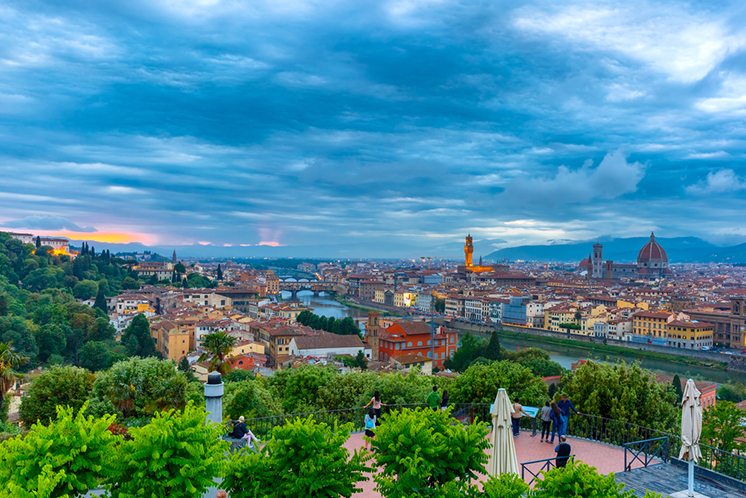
x,y
468,251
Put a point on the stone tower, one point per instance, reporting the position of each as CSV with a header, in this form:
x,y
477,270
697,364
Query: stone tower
x,y
468,251
372,331
597,262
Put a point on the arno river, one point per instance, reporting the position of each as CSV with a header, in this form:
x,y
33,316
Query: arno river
x,y
564,355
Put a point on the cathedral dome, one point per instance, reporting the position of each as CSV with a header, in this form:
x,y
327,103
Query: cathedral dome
x,y
652,254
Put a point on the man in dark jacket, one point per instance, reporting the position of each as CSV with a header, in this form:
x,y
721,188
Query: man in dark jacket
x,y
563,450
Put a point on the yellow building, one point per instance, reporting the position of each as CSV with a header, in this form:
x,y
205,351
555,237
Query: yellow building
x,y
247,347
689,335
171,341
405,299
650,323
558,315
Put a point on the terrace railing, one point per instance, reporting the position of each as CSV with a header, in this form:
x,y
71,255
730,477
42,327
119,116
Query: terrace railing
x,y
645,452
534,468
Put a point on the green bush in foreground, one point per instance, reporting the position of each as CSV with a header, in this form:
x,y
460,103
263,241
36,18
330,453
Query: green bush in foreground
x,y
428,453
302,458
66,458
505,486
176,455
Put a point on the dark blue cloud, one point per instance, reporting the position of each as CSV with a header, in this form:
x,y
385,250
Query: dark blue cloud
x,y
387,128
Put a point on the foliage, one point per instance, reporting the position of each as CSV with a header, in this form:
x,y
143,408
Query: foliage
x,y
238,376
470,349
505,486
100,303
676,385
197,281
298,388
420,452
358,361
302,458
176,455
58,386
66,458
137,338
570,326
579,480
249,398
722,427
439,305
138,387
100,355
732,392
85,289
10,360
537,360
217,346
622,392
344,326
480,382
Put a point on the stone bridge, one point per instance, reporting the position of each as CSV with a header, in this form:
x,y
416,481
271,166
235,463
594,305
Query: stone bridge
x,y
315,286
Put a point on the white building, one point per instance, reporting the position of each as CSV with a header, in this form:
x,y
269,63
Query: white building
x,y
325,345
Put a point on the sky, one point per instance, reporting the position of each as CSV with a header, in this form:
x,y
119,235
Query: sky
x,y
353,129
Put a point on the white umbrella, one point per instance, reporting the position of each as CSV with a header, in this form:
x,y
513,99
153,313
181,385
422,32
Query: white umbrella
x,y
503,459
691,429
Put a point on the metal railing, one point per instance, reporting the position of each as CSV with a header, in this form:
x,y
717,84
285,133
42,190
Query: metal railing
x,y
591,427
645,452
546,465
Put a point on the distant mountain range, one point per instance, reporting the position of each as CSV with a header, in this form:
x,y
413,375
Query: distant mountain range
x,y
679,250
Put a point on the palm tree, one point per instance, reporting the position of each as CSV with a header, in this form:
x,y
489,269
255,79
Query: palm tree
x,y
9,361
217,346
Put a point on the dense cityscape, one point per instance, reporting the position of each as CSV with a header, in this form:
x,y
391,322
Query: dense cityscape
x,y
393,249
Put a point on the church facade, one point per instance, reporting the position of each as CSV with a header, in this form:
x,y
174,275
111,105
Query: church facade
x,y
652,262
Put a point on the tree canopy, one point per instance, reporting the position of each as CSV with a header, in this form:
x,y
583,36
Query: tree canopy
x,y
58,386
344,326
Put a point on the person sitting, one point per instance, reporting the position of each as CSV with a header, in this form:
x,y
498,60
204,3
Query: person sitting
x,y
563,450
239,428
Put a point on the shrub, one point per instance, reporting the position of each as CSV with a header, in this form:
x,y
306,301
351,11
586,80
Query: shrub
x,y
480,382
66,458
505,486
176,455
58,386
302,458
579,480
427,453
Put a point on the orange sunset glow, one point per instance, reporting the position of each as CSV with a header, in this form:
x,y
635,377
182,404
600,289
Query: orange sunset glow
x,y
107,237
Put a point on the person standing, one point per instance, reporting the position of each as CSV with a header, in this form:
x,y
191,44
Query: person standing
x,y
375,402
516,418
370,426
555,415
565,406
546,421
433,400
444,401
563,450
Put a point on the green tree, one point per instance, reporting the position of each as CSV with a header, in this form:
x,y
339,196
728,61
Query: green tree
x,y
422,453
298,387
220,272
249,398
217,346
98,355
304,457
51,339
439,305
10,361
722,427
138,387
176,455
58,386
360,360
100,302
184,365
505,486
493,351
729,392
85,289
480,382
676,384
470,349
579,480
622,392
67,458
137,338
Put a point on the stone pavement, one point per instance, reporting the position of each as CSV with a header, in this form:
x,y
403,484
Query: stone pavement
x,y
605,458
667,478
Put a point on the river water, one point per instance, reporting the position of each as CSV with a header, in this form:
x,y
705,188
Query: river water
x,y
325,305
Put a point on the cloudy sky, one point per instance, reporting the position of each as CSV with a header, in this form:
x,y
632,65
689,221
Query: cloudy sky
x,y
385,128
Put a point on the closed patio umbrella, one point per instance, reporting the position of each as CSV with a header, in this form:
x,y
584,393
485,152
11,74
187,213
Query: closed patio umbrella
x,y
691,429
503,459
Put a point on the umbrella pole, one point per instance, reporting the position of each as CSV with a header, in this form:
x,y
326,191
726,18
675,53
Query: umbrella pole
x,y
691,477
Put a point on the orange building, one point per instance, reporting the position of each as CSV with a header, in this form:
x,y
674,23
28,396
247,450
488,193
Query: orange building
x,y
402,339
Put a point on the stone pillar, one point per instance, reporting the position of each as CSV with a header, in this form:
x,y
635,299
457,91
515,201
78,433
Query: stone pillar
x,y
214,397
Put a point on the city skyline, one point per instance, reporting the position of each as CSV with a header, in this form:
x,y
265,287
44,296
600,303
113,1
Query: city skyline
x,y
276,127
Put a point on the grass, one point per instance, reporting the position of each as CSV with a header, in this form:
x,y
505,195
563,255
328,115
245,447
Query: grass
x,y
610,348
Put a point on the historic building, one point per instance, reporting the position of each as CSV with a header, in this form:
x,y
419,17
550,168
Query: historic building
x,y
652,262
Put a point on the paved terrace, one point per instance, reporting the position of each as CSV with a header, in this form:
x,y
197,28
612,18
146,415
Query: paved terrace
x,y
604,457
